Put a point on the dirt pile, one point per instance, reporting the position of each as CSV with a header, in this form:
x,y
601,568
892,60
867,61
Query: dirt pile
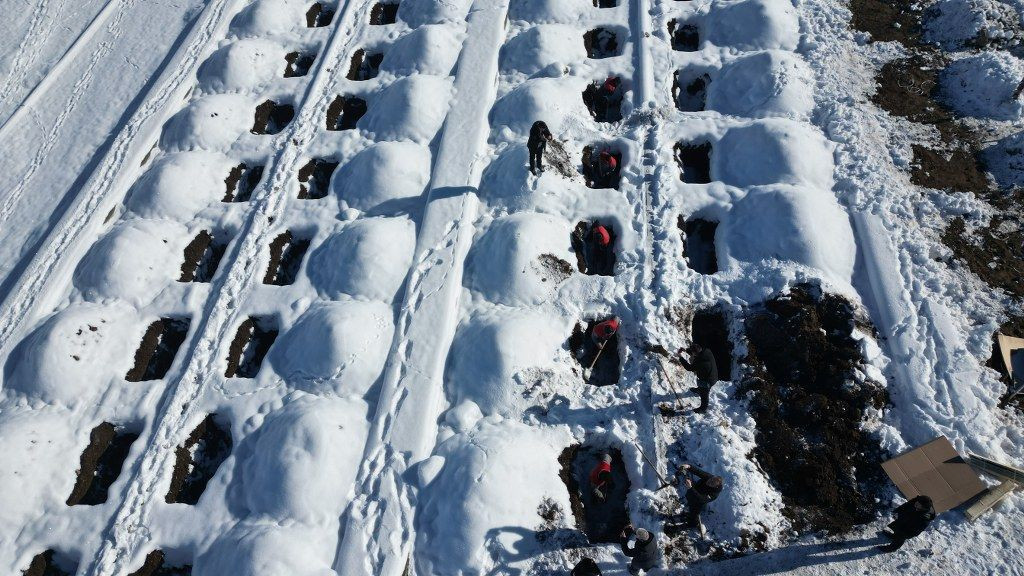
x,y
808,406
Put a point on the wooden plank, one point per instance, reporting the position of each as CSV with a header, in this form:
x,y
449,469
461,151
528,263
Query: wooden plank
x,y
1007,344
990,498
1001,471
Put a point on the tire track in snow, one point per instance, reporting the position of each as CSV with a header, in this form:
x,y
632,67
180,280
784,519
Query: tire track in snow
x,y
127,532
130,144
25,53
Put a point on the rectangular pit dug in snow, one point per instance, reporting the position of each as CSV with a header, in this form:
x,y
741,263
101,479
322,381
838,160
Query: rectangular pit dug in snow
x,y
101,464
596,172
271,118
50,563
318,16
197,460
935,470
605,371
241,182
592,259
384,13
298,64
694,162
159,346
344,112
601,521
699,244
603,105
364,66
690,91
202,257
156,564
606,3
601,43
286,254
685,37
254,338
710,329
315,179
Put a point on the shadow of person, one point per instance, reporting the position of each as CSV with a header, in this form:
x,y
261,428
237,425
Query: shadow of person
x,y
510,544
792,557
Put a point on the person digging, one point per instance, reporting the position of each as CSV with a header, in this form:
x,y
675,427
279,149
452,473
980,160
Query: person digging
x,y
704,366
539,138
600,249
601,478
699,494
606,98
644,553
912,518
604,170
600,335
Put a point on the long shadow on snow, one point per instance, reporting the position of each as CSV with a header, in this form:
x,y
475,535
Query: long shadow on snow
x,y
38,237
792,557
530,543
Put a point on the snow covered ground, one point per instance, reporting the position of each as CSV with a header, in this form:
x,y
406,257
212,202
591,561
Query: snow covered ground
x,y
292,253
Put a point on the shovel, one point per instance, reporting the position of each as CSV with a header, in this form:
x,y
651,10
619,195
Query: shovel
x,y
586,373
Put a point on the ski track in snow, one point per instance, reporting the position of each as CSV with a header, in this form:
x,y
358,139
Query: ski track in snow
x,y
38,32
127,532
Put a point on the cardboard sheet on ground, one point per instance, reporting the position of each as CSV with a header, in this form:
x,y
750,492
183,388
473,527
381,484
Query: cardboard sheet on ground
x,y
936,470
1012,351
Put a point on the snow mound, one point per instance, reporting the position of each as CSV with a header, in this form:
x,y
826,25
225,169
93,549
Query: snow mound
x,y
959,23
367,259
209,123
72,357
797,224
501,471
410,109
770,83
492,351
242,65
548,99
773,151
505,180
335,348
982,85
547,11
383,174
34,444
548,47
305,460
753,25
267,550
432,49
133,262
180,186
505,265
265,17
1005,160
419,13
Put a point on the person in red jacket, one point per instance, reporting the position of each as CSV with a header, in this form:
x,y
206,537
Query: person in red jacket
x,y
607,168
604,331
606,101
601,478
599,260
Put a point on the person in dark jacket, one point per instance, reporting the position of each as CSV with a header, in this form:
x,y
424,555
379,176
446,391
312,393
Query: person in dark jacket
x,y
645,553
586,567
705,368
539,137
912,518
699,494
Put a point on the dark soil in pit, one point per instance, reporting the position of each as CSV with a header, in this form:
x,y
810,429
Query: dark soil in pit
x,y
318,16
606,3
604,107
315,179
159,346
364,66
271,118
242,182
888,21
808,408
554,268
606,370
601,43
286,254
710,329
602,522
202,258
50,564
384,13
699,244
344,112
101,464
597,177
694,162
254,338
155,565
995,252
590,258
197,460
298,64
690,92
685,37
